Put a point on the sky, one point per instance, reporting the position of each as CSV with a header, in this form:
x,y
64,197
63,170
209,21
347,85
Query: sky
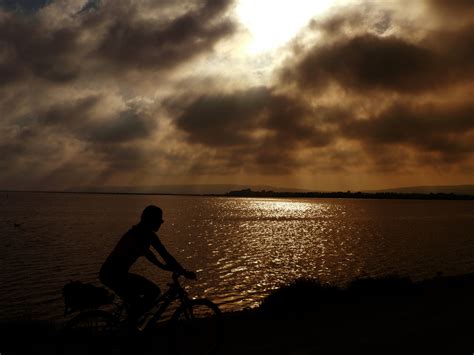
x,y
320,95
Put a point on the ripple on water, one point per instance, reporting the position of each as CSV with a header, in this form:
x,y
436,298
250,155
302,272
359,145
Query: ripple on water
x,y
242,248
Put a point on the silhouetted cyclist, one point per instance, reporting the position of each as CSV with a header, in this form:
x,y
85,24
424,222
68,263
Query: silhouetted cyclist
x,y
138,291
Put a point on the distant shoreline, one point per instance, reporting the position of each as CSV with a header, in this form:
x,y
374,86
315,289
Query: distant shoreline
x,y
101,193
246,193
353,195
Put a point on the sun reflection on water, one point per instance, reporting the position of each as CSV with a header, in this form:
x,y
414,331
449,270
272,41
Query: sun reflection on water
x,y
271,208
272,241
242,248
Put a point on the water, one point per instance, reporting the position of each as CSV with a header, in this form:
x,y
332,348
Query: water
x,y
241,248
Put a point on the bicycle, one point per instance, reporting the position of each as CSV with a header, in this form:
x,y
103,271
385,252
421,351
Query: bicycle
x,y
193,328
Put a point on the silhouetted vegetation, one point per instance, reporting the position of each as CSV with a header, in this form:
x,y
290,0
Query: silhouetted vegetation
x,y
389,315
306,295
349,194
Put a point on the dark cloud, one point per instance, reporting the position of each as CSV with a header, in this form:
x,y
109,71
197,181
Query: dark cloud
x,y
223,120
367,62
374,88
74,142
143,43
373,63
119,39
356,53
431,128
82,119
255,128
403,95
28,49
48,58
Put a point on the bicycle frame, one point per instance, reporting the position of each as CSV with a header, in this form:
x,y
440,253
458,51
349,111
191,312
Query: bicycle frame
x,y
175,292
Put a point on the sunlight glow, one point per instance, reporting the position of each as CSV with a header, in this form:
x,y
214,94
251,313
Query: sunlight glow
x,y
279,209
272,23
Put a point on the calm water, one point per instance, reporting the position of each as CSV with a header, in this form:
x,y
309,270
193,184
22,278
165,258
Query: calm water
x,y
241,248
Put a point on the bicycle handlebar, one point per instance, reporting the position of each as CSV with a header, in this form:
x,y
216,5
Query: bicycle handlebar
x,y
177,274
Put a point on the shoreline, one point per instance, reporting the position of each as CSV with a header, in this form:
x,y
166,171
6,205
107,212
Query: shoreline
x,y
280,195
387,315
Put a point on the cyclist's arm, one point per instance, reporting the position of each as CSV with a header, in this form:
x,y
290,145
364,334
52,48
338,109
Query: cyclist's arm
x,y
153,259
171,263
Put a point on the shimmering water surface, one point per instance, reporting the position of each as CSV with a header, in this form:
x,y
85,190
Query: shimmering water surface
x,y
242,248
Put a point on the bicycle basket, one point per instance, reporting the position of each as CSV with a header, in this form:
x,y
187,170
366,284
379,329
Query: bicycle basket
x,y
79,296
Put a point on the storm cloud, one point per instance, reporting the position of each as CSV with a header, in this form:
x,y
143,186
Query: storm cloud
x,y
256,127
121,91
444,130
115,38
390,98
147,43
373,58
68,108
406,91
369,62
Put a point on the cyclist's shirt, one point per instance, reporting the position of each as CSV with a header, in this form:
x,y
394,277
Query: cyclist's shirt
x,y
135,243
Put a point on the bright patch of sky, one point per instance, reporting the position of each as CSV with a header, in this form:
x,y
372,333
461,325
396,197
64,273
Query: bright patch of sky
x,y
272,23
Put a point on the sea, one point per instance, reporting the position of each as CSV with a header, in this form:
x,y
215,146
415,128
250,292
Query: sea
x,y
240,248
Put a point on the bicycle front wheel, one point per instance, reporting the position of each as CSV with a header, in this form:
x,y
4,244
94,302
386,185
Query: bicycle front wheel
x,y
196,328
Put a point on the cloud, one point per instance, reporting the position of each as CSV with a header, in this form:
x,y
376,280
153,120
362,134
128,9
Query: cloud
x,y
458,8
406,93
363,55
140,43
118,37
364,89
78,83
368,62
30,50
445,130
258,128
106,92
84,120
223,120
87,136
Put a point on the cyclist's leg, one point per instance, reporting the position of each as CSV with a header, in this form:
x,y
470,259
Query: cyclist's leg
x,y
142,292
114,279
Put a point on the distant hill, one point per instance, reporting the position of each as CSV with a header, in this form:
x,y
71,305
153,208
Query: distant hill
x,y
216,189
220,189
446,189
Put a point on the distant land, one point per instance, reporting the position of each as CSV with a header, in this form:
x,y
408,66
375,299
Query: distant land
x,y
349,194
447,192
221,189
454,189
204,189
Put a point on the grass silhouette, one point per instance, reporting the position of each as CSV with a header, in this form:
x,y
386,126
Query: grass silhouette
x,y
389,315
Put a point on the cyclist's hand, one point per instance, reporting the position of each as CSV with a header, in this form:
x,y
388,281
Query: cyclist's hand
x,y
189,275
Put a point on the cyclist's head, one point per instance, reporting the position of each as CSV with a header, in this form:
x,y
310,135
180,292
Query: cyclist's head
x,y
152,216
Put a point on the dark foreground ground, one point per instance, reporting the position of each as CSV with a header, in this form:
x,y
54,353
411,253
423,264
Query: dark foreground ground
x,y
376,316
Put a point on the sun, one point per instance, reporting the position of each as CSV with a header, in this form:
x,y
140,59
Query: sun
x,y
272,23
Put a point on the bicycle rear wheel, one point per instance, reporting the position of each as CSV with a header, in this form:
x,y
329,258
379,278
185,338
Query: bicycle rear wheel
x,y
196,328
91,323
